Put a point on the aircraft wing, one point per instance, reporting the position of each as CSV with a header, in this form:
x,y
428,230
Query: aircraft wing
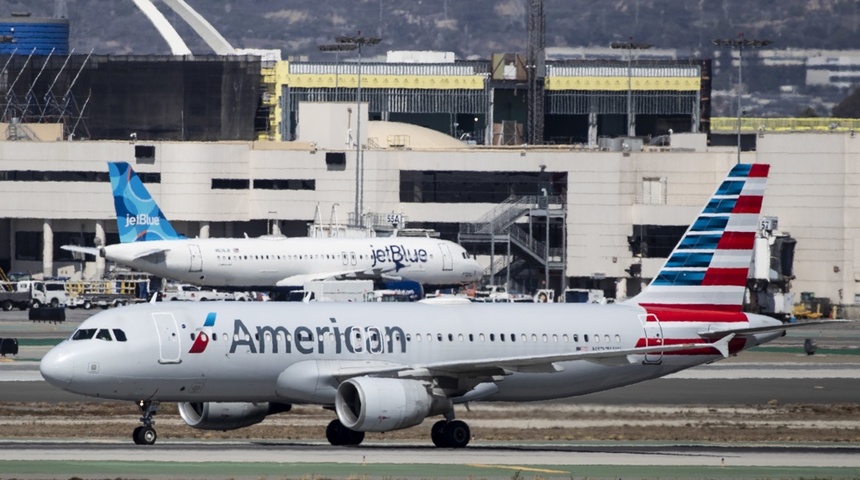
x,y
712,334
528,363
94,251
371,274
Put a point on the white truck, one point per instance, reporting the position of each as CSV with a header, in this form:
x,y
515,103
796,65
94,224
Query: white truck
x,y
192,293
45,292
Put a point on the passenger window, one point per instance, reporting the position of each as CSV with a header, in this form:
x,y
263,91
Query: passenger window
x,y
104,334
439,337
450,337
84,334
576,337
585,338
119,335
492,337
606,338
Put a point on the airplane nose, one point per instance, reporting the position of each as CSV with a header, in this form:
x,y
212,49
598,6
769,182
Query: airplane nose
x,y
58,367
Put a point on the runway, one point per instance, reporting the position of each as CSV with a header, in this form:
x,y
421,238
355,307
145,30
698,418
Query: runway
x,y
779,374
380,460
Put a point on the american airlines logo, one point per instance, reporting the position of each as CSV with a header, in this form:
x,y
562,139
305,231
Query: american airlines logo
x,y
305,340
140,219
201,340
397,254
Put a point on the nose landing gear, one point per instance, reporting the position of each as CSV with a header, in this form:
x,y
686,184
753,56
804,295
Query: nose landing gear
x,y
146,435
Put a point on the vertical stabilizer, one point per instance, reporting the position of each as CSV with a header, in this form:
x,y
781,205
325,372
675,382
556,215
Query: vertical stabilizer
x,y
138,217
708,269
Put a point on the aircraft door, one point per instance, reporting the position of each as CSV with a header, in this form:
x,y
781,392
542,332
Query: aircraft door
x,y
447,259
345,258
168,338
653,337
352,258
196,258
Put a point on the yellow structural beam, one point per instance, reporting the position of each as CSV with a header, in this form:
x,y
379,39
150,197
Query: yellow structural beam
x,y
777,125
416,82
620,83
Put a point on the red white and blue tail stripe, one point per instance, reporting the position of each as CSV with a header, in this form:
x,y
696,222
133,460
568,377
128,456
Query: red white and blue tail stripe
x,y
708,269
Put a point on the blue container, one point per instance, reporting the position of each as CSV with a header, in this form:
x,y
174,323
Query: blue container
x,y
22,34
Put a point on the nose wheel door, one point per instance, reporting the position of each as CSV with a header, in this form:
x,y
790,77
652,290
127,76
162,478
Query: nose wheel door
x,y
653,337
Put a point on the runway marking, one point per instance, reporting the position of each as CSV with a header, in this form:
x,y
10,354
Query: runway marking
x,y
515,467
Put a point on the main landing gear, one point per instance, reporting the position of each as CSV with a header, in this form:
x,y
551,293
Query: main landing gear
x,y
145,435
446,433
450,434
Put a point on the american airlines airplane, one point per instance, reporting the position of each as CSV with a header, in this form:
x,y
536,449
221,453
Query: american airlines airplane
x,y
388,367
149,243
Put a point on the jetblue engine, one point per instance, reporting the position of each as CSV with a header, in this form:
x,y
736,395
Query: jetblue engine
x,y
227,416
367,404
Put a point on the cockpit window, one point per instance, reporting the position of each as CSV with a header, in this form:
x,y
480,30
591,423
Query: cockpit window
x,y
119,335
104,334
84,334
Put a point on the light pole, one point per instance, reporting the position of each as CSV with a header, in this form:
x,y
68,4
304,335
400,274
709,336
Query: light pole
x,y
348,43
630,46
740,43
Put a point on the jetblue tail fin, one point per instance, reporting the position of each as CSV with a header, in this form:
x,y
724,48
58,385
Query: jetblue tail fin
x,y
138,217
708,269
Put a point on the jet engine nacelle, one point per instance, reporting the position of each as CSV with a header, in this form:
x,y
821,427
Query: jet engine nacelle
x,y
227,416
368,404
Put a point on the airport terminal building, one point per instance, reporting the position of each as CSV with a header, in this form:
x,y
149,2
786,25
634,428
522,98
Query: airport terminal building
x,y
236,145
58,192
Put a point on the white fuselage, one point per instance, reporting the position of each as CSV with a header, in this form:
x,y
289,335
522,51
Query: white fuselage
x,y
261,263
284,352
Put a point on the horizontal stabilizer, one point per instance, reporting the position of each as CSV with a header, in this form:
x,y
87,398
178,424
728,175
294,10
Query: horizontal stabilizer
x,y
711,334
94,251
150,252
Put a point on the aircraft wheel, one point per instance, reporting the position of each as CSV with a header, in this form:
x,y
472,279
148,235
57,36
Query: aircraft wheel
x,y
437,433
457,434
145,436
87,305
337,434
36,304
334,432
135,435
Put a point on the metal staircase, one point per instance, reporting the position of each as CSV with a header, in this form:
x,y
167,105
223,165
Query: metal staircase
x,y
510,224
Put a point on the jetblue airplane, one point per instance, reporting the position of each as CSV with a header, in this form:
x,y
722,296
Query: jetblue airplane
x,y
388,367
149,243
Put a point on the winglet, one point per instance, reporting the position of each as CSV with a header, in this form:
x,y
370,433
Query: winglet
x,y
722,345
138,217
